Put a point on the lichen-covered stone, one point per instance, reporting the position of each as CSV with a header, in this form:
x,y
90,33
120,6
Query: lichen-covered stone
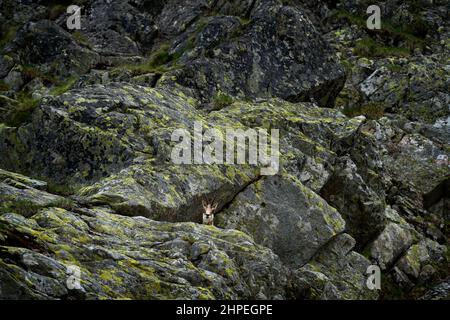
x,y
246,63
134,258
86,118
282,214
337,273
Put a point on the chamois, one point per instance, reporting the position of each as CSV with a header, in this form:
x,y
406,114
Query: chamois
x,y
208,212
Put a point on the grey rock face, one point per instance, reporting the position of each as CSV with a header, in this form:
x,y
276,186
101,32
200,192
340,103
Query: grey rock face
x,y
337,273
52,50
87,181
363,209
282,214
440,292
157,256
6,64
118,28
419,258
246,63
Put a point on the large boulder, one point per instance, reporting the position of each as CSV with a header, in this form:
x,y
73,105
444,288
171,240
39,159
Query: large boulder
x,y
51,52
91,133
119,28
282,214
277,53
135,258
336,273
362,208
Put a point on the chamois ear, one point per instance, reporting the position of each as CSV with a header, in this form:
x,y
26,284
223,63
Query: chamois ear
x,y
204,204
215,206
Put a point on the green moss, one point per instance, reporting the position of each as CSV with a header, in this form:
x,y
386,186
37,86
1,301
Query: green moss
x,y
81,39
222,100
55,11
371,110
205,294
30,73
3,86
66,204
108,275
368,47
8,35
22,109
22,207
61,189
412,34
64,87
394,68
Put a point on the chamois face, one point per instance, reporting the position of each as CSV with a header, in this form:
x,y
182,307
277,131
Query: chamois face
x,y
208,213
209,210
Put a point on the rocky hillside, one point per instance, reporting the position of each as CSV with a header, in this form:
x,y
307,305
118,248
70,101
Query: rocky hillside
x,y
87,180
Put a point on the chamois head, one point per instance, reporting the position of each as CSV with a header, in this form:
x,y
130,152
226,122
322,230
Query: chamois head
x,y
209,208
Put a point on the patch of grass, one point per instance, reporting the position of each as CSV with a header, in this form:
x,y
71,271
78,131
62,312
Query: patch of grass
x,y
3,86
81,39
347,65
30,73
66,204
412,34
371,110
50,3
61,189
417,28
156,63
222,100
159,57
394,68
240,30
27,208
55,11
23,207
351,18
244,21
369,48
8,35
22,111
192,39
63,87
23,102
190,44
59,87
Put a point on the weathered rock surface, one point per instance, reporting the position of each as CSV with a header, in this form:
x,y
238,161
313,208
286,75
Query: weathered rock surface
x,y
86,172
440,292
121,257
274,54
282,214
362,207
337,272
